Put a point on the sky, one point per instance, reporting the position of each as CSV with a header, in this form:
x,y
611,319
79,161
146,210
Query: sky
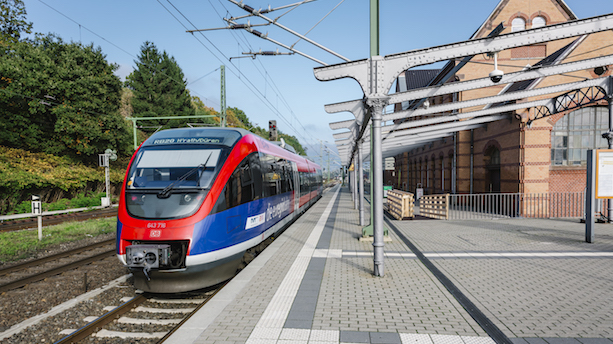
x,y
281,88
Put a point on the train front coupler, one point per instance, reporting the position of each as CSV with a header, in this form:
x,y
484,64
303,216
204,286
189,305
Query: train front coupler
x,y
147,257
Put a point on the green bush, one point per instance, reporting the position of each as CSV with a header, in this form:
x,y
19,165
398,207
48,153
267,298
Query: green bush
x,y
23,207
86,201
59,205
80,201
23,173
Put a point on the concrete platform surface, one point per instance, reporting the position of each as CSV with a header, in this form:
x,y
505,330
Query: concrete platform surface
x,y
520,281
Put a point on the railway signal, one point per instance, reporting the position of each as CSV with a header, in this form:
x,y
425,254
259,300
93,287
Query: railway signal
x,y
272,130
103,160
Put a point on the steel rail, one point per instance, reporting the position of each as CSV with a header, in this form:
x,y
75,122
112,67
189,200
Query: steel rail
x,y
90,328
53,257
163,339
35,278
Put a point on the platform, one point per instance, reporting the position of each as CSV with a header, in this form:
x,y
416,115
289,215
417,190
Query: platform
x,y
535,281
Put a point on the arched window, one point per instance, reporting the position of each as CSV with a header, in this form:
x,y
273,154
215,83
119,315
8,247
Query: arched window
x,y
577,132
538,22
494,156
518,24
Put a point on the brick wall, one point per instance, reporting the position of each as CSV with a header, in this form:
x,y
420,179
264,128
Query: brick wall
x,y
567,180
525,152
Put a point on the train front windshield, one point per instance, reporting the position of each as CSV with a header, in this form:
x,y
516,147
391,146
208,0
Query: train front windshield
x,y
170,183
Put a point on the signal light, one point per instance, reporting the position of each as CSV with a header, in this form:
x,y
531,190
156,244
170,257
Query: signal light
x,y
272,130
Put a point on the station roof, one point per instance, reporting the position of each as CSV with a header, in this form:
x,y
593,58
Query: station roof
x,y
488,21
418,78
553,59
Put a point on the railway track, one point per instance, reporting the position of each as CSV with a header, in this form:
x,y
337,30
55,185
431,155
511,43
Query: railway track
x,y
142,317
19,269
49,220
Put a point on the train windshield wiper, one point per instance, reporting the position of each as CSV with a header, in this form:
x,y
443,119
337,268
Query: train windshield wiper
x,y
168,190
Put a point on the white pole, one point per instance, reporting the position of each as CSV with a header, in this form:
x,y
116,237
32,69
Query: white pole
x,y
37,209
108,183
40,227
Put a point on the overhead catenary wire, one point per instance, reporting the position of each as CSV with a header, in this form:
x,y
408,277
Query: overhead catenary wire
x,y
236,72
277,91
84,27
47,101
181,82
265,74
205,75
319,22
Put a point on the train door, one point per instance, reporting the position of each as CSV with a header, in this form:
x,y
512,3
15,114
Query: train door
x,y
296,187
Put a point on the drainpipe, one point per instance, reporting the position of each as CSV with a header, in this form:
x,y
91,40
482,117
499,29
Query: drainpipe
x,y
609,136
443,173
454,162
610,100
472,157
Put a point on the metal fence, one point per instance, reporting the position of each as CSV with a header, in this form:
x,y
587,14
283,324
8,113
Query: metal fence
x,y
515,205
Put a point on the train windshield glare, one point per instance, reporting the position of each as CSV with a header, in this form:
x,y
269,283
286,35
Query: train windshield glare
x,y
188,172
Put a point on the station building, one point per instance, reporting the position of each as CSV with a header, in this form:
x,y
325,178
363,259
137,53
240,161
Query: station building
x,y
514,155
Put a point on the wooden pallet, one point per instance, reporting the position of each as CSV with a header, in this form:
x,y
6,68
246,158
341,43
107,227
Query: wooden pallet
x,y
434,206
400,204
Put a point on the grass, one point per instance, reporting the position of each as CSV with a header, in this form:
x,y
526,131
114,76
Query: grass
x,y
23,244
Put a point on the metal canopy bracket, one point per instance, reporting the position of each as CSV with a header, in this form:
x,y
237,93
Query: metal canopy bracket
x,y
377,74
397,63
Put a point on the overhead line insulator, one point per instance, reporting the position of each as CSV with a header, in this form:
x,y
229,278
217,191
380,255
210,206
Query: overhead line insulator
x,y
248,8
257,33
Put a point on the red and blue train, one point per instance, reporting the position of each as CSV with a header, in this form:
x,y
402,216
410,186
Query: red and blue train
x,y
195,199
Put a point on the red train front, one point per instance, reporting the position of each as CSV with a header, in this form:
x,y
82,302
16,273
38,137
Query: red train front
x,y
194,200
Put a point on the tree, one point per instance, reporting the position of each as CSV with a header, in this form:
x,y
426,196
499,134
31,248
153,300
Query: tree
x,y
125,106
203,110
159,87
293,141
238,119
13,21
60,98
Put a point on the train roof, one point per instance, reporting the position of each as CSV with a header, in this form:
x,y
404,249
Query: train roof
x,y
215,136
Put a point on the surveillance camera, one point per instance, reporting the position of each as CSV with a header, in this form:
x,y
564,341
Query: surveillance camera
x,y
600,70
496,75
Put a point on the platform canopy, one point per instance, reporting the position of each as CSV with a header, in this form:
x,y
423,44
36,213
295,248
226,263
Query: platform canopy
x,y
419,124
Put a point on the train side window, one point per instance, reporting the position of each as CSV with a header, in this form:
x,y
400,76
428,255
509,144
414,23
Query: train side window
x,y
221,203
270,175
239,189
273,178
256,173
285,179
283,176
233,195
246,183
304,183
290,177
